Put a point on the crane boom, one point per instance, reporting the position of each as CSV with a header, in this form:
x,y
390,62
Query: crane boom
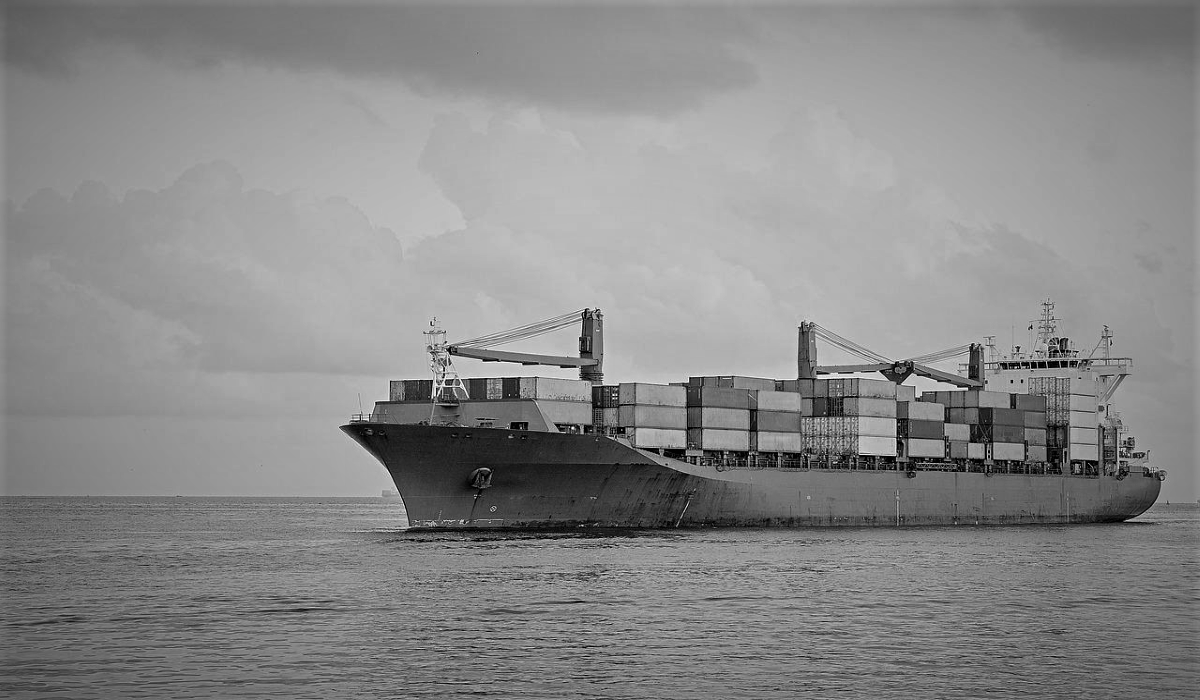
x,y
522,358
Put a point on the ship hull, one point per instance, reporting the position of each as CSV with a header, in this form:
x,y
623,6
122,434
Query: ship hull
x,y
494,478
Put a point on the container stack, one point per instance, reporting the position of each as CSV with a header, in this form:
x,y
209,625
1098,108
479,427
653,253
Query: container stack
x,y
994,429
775,423
735,382
605,401
851,417
921,424
718,418
1034,413
654,416
1071,415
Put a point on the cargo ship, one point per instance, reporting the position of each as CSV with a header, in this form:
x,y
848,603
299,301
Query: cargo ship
x,y
1022,438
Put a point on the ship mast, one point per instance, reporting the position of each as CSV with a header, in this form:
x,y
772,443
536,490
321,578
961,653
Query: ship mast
x,y
446,382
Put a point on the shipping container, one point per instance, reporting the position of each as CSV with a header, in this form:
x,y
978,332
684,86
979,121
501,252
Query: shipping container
x,y
477,389
1035,419
906,392
804,387
868,388
969,416
986,399
718,417
418,390
768,441
652,394
998,433
1083,435
920,410
1035,453
776,421
1085,452
958,449
608,396
871,446
718,439
806,406
1035,436
957,431
925,429
555,389
1028,402
733,382
651,416
611,416
820,406
1008,450
869,425
396,390
921,447
512,387
976,450
863,406
779,401
1083,419
657,438
495,389
720,397
1001,416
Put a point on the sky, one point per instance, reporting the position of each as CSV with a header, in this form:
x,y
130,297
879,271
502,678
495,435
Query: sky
x,y
227,225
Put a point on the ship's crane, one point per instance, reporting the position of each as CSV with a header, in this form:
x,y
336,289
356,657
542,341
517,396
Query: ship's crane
x,y
591,344
895,370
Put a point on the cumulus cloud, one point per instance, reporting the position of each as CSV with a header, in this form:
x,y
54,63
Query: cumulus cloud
x,y
700,267
654,60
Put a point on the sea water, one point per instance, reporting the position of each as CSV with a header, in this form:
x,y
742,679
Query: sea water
x,y
329,598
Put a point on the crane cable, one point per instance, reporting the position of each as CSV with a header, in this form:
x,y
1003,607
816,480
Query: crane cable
x,y
529,330
848,345
942,354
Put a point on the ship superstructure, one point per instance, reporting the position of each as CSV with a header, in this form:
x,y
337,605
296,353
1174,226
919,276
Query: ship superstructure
x,y
1025,437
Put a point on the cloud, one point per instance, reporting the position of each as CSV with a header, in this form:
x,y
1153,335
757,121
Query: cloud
x,y
1144,32
251,301
619,59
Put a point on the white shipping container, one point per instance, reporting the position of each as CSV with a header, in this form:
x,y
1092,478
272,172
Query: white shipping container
x,y
1085,419
905,392
921,447
779,442
652,394
868,425
1082,436
718,439
976,450
495,389
878,408
872,446
1036,453
654,438
396,390
611,416
718,417
958,431
925,410
1085,452
1082,403
806,406
779,401
643,416
1008,450
986,399
555,389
